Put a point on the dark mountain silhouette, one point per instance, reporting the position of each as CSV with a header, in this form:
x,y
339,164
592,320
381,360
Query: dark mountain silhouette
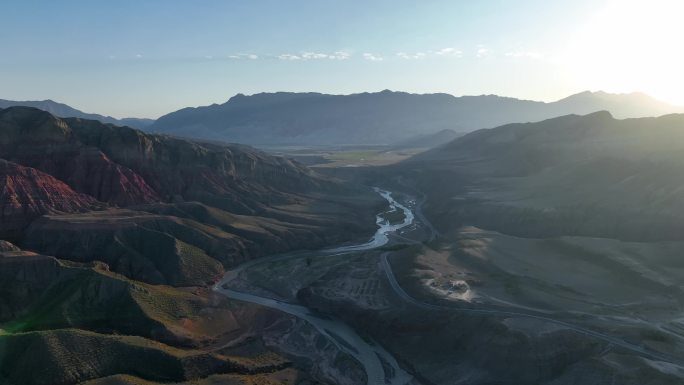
x,y
64,111
580,175
379,118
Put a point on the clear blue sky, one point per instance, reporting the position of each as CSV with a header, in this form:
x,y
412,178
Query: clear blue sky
x,y
146,58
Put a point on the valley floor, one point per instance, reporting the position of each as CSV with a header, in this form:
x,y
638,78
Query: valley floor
x,y
432,290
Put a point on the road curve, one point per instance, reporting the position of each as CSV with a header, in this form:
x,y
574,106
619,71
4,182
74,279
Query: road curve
x,y
401,293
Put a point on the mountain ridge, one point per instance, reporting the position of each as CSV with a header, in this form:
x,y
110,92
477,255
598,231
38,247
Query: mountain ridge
x,y
268,118
385,117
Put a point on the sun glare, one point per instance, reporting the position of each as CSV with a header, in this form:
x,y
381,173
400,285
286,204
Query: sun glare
x,y
631,46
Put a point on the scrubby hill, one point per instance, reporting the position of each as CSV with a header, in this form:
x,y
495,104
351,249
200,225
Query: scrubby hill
x,y
71,356
43,293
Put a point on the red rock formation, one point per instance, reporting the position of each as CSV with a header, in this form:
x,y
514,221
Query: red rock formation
x,y
26,193
39,140
123,166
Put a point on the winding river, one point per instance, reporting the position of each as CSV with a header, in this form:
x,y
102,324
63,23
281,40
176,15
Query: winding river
x,y
371,355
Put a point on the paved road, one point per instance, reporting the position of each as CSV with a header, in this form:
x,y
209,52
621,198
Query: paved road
x,y
370,355
647,353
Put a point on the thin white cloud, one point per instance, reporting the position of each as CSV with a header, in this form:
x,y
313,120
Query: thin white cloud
x,y
412,56
287,56
238,56
443,52
483,52
314,56
449,51
339,55
139,56
372,57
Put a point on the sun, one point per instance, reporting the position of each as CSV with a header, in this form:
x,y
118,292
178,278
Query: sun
x,y
631,45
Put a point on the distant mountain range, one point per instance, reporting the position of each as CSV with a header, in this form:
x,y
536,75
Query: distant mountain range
x,y
380,118
64,111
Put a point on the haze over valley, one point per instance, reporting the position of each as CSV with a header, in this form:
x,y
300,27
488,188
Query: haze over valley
x,y
469,224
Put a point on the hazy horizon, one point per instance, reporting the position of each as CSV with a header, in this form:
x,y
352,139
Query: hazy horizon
x,y
145,59
225,100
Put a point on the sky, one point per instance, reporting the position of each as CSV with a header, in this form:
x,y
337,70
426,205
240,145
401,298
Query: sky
x,y
146,58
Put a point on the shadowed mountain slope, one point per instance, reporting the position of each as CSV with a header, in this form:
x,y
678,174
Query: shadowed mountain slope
x,y
589,174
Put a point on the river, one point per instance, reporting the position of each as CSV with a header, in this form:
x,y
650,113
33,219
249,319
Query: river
x,y
369,354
